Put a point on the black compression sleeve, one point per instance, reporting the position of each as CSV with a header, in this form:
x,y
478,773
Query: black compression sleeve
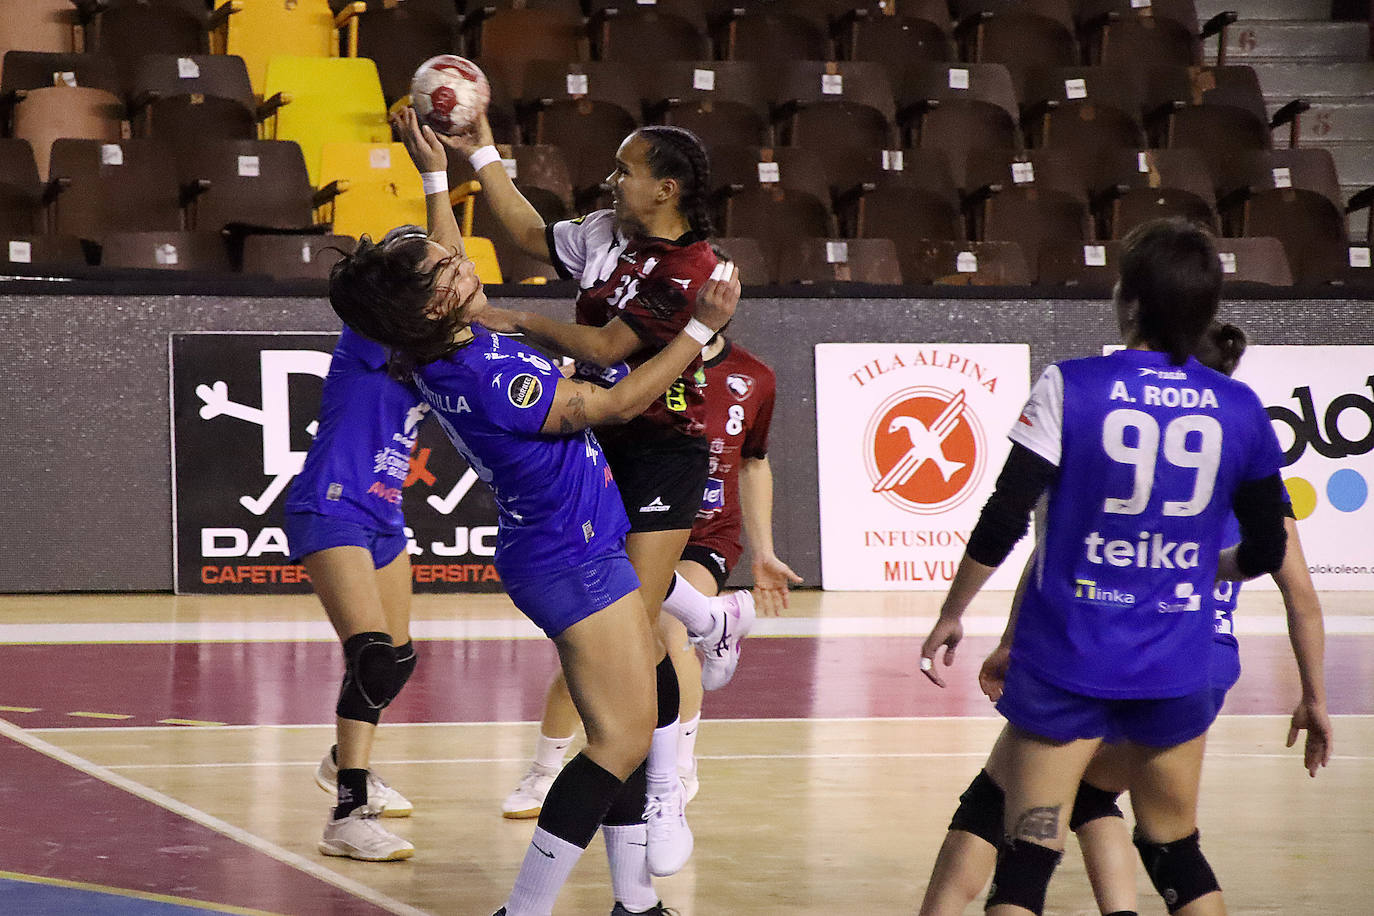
x,y
1260,507
1004,519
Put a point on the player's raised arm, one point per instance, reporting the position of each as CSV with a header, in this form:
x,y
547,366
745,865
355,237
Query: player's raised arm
x,y
427,152
578,405
514,212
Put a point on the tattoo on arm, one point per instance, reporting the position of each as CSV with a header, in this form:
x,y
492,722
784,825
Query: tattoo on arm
x,y
1037,824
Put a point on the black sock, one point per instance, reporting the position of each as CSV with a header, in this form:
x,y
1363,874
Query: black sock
x,y
352,792
578,800
668,697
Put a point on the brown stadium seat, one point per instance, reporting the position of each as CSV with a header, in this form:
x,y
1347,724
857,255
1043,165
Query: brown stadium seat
x,y
735,169
185,100
1030,198
748,255
37,25
771,32
920,30
627,30
725,103
1134,186
824,104
586,109
1019,34
259,183
48,96
20,251
37,69
1126,32
960,263
958,108
774,195
294,257
1089,110
99,188
504,40
400,37
21,193
840,260
1091,265
166,250
130,28
910,196
1254,260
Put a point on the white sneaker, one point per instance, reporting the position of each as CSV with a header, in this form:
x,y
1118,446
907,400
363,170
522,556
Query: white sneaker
x,y
528,798
379,794
690,784
669,837
359,836
721,645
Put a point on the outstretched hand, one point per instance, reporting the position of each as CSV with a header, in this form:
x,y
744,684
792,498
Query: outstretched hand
x,y
1312,717
718,296
771,579
425,147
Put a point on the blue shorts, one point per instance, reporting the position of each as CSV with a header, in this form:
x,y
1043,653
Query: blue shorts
x,y
557,599
1034,705
310,532
1224,671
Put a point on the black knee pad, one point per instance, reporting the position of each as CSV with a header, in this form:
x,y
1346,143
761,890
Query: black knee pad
x,y
1178,870
628,806
981,809
1092,803
369,678
668,697
406,658
1022,876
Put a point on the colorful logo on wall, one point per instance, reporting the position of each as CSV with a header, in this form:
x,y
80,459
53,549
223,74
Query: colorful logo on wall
x,y
925,449
1341,429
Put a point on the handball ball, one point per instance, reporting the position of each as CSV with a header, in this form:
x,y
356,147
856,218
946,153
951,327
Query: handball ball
x,y
448,93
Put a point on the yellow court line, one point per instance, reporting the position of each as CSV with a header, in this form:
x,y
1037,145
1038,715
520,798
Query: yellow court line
x,y
137,895
19,709
98,715
194,722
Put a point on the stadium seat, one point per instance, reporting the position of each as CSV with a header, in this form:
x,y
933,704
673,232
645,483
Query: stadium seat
x,y
737,169
919,200
130,28
1126,32
294,257
1254,260
185,101
331,100
919,31
725,103
400,37
1088,110
258,183
960,263
823,104
483,256
626,30
378,188
773,195
21,192
748,255
38,70
1019,35
840,260
1133,186
19,251
1030,198
504,41
166,250
1090,266
99,188
770,32
258,32
37,25
957,108
43,116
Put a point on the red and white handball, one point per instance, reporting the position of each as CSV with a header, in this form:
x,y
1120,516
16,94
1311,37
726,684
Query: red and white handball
x,y
449,93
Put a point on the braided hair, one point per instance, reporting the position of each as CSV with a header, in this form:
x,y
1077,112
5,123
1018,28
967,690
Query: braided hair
x,y
677,153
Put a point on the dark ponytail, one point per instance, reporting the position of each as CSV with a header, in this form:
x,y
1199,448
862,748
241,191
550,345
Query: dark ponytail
x,y
1170,270
1221,347
677,153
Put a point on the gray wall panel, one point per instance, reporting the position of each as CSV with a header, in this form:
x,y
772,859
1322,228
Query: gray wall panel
x,y
85,414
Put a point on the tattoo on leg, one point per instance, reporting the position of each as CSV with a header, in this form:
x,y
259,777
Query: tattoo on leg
x,y
1038,824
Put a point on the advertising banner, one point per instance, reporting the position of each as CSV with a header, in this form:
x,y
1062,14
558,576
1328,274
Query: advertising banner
x,y
243,413
910,438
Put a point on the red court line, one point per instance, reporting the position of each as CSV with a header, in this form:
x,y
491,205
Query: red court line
x,y
505,680
62,823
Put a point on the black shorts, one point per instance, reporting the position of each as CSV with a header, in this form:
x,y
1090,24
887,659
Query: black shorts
x,y
661,483
713,560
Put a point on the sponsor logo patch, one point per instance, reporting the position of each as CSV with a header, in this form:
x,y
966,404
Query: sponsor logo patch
x,y
524,390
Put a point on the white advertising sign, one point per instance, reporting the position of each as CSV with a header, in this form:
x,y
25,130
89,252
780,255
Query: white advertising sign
x,y
910,439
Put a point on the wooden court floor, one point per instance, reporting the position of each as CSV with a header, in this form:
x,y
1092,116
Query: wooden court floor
x,y
158,756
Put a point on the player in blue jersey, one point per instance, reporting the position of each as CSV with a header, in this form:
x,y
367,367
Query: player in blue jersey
x,y
525,430
1143,455
344,523
968,855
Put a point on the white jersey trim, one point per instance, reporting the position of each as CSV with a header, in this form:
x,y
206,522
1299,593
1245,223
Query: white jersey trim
x,y
587,248
1040,427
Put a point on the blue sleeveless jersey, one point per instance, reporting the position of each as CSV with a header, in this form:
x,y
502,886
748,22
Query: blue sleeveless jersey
x,y
558,503
357,465
1149,457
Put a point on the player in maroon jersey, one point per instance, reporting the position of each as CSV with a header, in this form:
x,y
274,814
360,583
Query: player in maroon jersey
x,y
639,268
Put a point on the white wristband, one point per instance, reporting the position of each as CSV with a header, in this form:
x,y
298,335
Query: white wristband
x,y
484,157
434,182
699,332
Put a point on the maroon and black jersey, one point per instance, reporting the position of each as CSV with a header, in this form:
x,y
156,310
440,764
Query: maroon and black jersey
x,y
739,410
651,285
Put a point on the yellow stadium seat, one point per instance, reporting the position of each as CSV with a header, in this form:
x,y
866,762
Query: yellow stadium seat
x,y
330,100
379,187
483,254
258,30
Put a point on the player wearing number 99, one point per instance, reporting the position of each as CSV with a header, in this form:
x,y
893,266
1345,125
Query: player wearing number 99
x,y
1142,456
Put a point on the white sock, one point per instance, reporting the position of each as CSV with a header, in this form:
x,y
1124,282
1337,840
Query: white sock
x,y
548,752
687,745
689,606
661,769
626,852
548,862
